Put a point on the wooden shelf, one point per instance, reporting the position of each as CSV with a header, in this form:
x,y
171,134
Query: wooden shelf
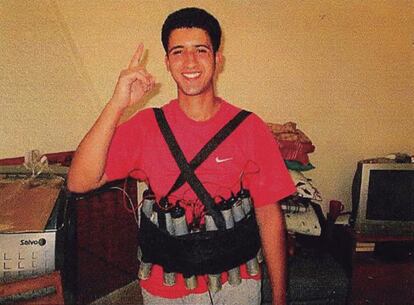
x,y
362,237
378,278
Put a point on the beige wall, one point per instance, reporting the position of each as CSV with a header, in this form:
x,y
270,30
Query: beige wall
x,y
343,70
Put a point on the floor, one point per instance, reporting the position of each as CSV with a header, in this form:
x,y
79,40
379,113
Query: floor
x,y
126,295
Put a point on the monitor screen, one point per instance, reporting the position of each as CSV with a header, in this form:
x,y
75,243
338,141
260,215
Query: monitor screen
x,y
390,195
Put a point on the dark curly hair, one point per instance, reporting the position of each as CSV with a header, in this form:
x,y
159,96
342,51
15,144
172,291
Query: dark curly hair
x,y
192,17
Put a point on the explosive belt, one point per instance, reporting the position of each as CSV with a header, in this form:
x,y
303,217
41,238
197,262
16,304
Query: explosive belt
x,y
209,252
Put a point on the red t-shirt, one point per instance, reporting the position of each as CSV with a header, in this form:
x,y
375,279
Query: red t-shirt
x,y
249,155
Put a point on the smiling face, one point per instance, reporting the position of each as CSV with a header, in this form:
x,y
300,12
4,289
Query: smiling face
x,y
191,61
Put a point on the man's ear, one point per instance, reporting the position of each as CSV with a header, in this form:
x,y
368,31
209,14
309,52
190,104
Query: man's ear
x,y
219,61
167,63
219,58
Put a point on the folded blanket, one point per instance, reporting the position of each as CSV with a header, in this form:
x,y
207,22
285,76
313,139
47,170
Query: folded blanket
x,y
293,143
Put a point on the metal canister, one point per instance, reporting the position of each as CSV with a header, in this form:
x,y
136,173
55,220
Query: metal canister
x,y
259,256
253,266
225,209
165,209
244,196
144,271
178,220
238,211
148,203
168,278
181,228
214,280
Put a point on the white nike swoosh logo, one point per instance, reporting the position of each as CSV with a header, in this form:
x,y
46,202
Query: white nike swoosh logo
x,y
218,160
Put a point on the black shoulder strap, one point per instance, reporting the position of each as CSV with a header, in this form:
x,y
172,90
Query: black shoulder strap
x,y
211,145
187,169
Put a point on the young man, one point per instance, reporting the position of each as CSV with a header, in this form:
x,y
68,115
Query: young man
x,y
247,159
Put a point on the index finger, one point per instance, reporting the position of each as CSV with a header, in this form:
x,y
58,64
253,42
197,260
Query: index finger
x,y
137,56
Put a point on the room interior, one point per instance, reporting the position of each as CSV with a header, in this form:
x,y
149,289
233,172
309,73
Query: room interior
x,y
342,71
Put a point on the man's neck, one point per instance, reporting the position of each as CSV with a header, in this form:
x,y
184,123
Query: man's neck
x,y
199,108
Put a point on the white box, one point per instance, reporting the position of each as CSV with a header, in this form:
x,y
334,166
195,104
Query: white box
x,y
26,254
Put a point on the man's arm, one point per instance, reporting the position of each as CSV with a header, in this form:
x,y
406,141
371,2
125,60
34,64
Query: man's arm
x,y
88,165
272,233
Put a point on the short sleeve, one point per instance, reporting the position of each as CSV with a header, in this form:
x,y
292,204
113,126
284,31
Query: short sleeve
x,y
272,182
124,152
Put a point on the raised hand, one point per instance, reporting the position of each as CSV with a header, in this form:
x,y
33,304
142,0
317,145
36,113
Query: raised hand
x,y
133,82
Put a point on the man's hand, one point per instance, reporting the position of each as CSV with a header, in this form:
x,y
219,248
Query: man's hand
x,y
133,82
88,165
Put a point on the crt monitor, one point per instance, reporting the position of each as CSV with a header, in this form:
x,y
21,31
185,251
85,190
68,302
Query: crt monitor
x,y
383,198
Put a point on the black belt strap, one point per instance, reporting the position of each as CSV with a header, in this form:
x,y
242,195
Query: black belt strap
x,y
187,170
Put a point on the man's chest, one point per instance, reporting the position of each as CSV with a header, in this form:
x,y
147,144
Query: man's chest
x,y
221,169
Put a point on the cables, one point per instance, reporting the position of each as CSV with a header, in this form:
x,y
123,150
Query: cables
x,y
125,194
